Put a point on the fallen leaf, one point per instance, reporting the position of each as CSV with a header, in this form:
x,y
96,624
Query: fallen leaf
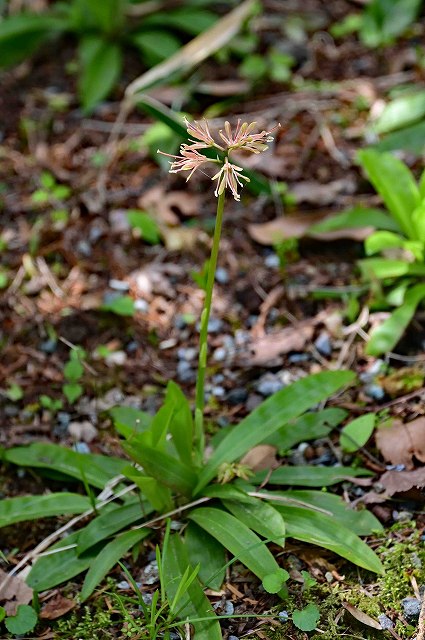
x,y
402,481
13,592
56,607
269,349
298,225
167,206
400,443
361,616
261,457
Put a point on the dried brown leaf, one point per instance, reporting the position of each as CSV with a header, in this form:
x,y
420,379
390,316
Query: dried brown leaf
x,y
322,194
402,481
267,351
361,616
13,592
56,607
261,457
400,443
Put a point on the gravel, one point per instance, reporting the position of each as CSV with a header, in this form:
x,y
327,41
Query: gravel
x,y
374,391
411,607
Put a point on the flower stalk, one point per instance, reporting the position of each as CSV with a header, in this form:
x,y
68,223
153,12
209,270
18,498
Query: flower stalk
x,y
229,176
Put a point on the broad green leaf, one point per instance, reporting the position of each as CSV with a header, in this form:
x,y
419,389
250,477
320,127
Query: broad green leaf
x,y
158,495
145,225
187,19
356,433
226,492
409,139
108,558
418,219
73,370
422,181
361,522
72,391
111,522
381,240
21,35
401,112
101,62
204,550
395,184
181,425
95,469
271,415
383,268
193,604
309,476
108,14
128,420
121,305
261,517
385,337
156,45
310,426
320,529
14,510
163,467
306,619
55,568
274,582
23,621
235,536
354,218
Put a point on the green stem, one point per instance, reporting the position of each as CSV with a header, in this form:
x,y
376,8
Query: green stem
x,y
203,336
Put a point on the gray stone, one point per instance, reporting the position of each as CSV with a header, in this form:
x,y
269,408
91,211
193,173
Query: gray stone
x,y
81,447
141,305
190,353
411,607
272,261
118,285
221,275
385,621
374,391
229,608
323,344
220,354
373,370
269,384
84,431
239,395
283,615
185,372
150,573
49,346
218,392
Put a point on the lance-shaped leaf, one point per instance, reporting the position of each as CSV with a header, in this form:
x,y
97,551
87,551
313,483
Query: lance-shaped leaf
x,y
261,517
14,510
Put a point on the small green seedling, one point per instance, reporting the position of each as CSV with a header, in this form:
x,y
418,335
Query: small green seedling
x,y
306,619
15,392
120,305
22,622
73,372
51,404
356,433
275,582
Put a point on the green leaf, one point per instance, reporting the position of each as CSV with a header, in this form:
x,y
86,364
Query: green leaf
x,y
204,550
381,240
274,582
271,415
259,516
72,391
121,305
254,67
361,522
309,476
356,433
354,218
110,522
61,566
165,468
395,184
2,614
306,619
383,268
109,556
156,45
73,370
129,421
187,19
15,392
101,63
108,14
22,34
158,495
385,337
310,426
418,219
97,470
235,536
401,112
14,510
317,528
24,621
193,604
181,424
145,224
409,139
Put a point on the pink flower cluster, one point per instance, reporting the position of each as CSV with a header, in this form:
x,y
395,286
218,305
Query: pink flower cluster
x,y
230,175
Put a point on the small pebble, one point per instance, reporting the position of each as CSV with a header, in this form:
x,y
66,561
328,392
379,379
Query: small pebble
x,y
372,371
395,467
187,354
220,354
64,418
233,638
218,378
272,261
215,325
81,447
295,358
11,410
150,573
123,585
283,615
49,346
116,358
221,275
84,248
185,372
218,392
229,608
385,622
402,516
239,395
374,391
323,344
118,285
132,346
269,384
180,322
141,305
411,607
84,431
